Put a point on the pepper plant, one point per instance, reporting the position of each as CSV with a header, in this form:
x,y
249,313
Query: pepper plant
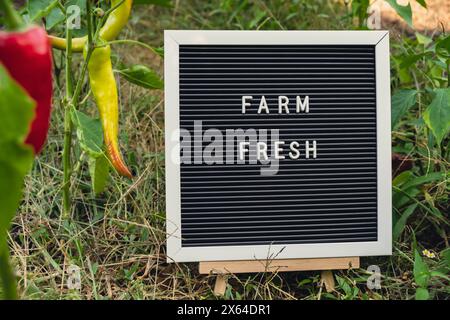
x,y
97,138
25,103
26,91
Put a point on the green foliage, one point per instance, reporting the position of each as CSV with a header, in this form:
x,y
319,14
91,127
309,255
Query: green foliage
x,y
422,294
38,9
99,171
403,11
406,192
89,133
421,271
401,102
400,224
351,292
142,76
420,116
16,108
359,10
437,115
51,11
162,3
90,136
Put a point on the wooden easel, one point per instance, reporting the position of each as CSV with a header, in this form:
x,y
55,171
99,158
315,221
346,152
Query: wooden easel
x,y
326,265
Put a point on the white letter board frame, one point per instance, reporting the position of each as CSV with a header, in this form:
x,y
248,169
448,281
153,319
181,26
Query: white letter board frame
x,y
382,246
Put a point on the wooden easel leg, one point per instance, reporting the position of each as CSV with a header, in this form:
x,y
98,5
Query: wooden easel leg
x,y
328,280
221,285
222,268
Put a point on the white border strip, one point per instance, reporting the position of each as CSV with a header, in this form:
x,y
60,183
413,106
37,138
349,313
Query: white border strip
x,y
175,252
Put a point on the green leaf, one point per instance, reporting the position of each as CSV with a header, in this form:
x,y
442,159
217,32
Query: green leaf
x,y
408,60
399,199
55,17
89,133
437,115
99,170
38,9
403,11
421,272
422,294
344,286
162,3
159,51
446,255
422,39
16,109
401,102
443,47
430,177
422,3
14,121
142,76
49,9
439,274
402,178
401,222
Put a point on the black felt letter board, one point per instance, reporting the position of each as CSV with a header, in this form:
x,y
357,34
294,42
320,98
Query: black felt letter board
x,y
329,199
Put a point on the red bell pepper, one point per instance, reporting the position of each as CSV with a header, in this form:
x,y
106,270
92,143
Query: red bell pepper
x,y
26,53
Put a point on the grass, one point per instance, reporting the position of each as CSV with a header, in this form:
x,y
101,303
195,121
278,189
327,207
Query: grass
x,y
117,239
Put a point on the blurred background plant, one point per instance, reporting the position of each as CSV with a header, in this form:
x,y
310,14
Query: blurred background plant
x,y
116,238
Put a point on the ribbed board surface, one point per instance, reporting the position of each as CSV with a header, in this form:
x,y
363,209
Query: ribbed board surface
x,y
332,198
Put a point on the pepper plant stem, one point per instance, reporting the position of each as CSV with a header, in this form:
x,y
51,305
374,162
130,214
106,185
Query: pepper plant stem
x,y
12,18
129,41
67,126
6,272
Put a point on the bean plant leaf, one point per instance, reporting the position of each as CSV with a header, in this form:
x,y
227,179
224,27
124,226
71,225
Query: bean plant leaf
x,y
142,76
89,133
162,3
17,110
421,271
401,102
437,115
99,171
403,11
